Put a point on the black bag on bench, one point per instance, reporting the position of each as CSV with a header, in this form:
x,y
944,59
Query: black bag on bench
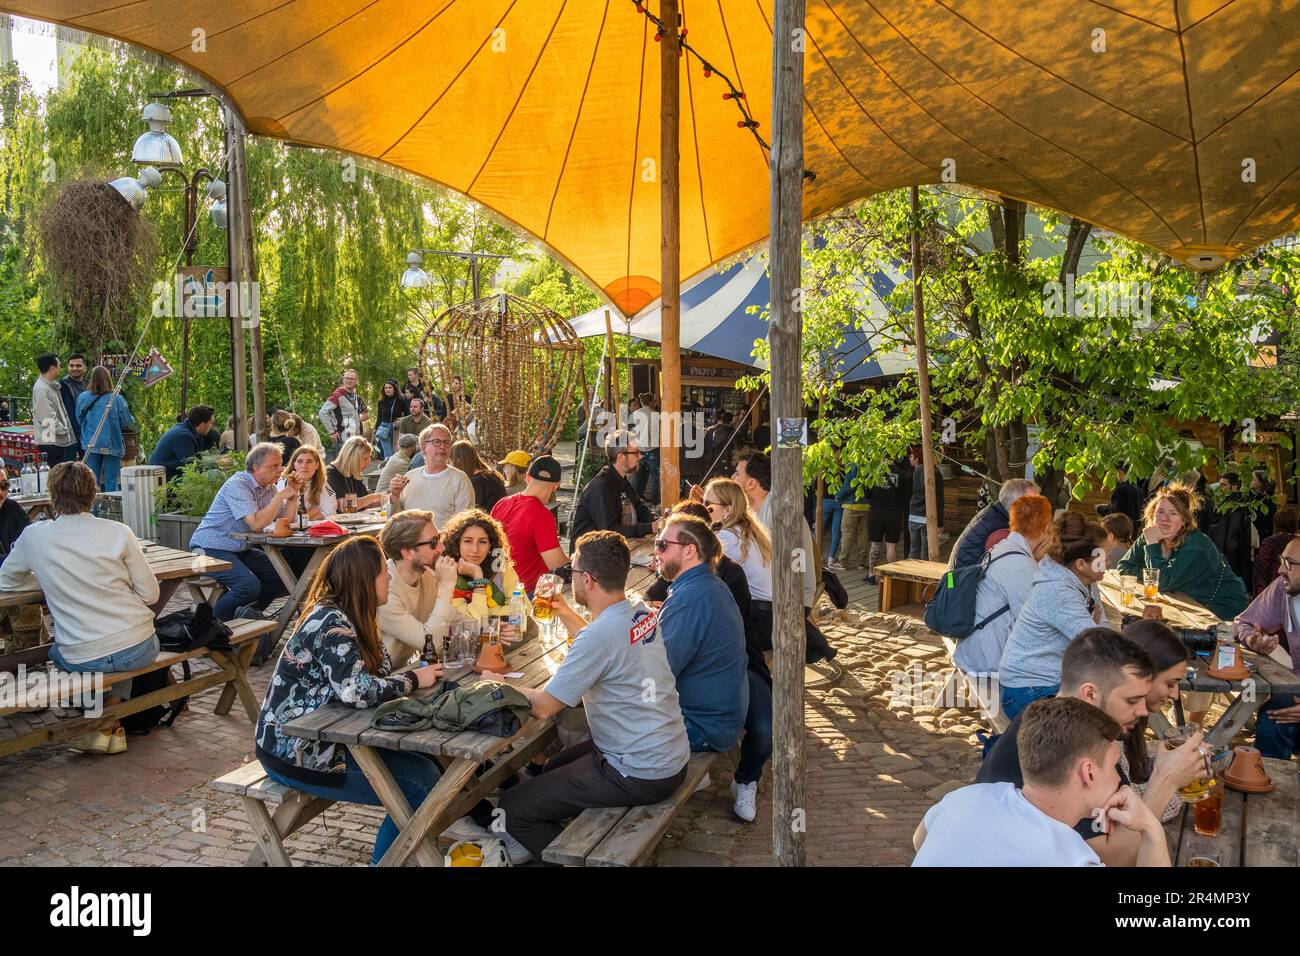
x,y
192,628
163,715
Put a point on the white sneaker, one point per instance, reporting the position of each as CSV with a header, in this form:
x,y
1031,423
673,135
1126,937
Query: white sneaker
x,y
466,829
745,796
517,852
703,784
833,565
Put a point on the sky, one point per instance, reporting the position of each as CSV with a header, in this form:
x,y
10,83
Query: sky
x,y
34,49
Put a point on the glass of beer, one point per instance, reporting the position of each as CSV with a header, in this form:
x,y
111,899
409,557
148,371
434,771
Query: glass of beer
x,y
1203,861
1150,583
1128,588
548,586
1207,813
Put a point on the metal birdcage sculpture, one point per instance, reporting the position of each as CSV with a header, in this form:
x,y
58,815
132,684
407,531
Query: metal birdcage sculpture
x,y
519,362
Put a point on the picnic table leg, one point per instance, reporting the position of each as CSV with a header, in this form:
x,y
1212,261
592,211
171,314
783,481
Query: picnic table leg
x,y
394,801
297,588
265,832
165,591
238,683
885,596
1233,719
288,818
414,832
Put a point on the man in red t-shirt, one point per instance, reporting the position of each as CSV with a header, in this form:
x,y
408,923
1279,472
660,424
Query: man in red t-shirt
x,y
530,526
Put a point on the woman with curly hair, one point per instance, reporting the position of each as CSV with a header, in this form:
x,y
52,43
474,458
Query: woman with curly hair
x,y
485,578
1186,558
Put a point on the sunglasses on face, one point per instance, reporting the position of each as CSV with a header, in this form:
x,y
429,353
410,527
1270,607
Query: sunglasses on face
x,y
662,544
432,542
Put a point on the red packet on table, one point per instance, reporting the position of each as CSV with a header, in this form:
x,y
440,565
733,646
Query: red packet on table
x,y
326,529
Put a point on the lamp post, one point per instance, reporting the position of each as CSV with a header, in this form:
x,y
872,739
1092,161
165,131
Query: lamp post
x,y
416,278
160,152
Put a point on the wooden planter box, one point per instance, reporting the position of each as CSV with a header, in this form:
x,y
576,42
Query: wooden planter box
x,y
174,530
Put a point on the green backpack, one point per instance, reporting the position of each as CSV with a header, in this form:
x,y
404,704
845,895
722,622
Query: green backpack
x,y
496,709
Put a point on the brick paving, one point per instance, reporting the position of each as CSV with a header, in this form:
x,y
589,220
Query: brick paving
x,y
871,774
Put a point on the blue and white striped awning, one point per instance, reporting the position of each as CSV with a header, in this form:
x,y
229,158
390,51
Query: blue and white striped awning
x,y
716,320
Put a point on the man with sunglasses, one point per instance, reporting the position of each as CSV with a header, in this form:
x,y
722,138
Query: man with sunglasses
x,y
704,635
13,518
1276,611
421,579
609,502
437,486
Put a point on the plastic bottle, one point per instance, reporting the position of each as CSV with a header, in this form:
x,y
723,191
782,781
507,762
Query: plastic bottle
x,y
27,478
43,474
518,608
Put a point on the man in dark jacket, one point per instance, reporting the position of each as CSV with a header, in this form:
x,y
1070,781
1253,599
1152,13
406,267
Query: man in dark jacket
x,y
70,388
609,503
919,546
1126,499
716,440
969,548
185,440
1231,529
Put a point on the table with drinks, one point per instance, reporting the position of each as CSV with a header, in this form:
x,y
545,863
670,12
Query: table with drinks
x,y
1244,812
474,764
275,544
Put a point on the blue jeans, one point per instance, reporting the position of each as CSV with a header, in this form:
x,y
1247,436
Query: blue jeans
x,y
129,659
250,580
385,440
919,546
833,512
1016,699
107,469
756,747
1274,739
415,774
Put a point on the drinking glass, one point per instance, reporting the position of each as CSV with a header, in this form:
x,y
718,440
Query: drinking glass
x,y
1150,583
469,642
1129,585
1207,813
1203,861
548,585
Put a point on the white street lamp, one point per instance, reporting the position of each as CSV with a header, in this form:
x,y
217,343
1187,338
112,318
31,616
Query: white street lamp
x,y
136,191
217,193
415,277
156,146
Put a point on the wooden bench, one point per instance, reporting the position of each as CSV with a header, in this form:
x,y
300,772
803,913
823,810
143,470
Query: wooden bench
x,y
292,809
37,720
910,581
961,688
622,836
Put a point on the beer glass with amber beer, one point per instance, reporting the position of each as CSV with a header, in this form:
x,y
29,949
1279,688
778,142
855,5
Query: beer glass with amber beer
x,y
548,586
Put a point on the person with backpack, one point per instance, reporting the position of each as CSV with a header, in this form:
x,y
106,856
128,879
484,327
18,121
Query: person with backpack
x,y
98,586
345,412
1002,591
103,416
335,653
618,670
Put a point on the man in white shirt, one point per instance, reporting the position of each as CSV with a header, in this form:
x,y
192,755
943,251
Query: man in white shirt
x,y
421,579
1068,755
436,487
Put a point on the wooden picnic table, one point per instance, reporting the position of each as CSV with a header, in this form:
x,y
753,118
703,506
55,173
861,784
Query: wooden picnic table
x,y
38,506
363,522
1177,610
1258,829
641,576
905,582
172,568
462,753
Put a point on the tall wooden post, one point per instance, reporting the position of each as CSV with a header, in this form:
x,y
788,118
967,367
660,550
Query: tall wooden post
x,y
784,337
670,280
923,384
612,387
235,250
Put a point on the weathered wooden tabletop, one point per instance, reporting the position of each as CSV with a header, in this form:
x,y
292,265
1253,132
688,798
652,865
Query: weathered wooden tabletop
x,y
1258,829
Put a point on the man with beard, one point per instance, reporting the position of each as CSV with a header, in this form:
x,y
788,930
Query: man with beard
x,y
419,592
703,633
1105,669
609,502
1274,612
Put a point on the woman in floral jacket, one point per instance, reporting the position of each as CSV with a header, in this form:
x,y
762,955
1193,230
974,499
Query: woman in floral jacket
x,y
335,653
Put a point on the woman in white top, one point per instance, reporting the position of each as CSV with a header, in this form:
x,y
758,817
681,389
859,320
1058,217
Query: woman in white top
x,y
743,537
308,465
1012,563
98,586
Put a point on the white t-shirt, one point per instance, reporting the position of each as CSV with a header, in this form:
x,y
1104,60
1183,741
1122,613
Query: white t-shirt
x,y
764,515
757,574
992,824
446,493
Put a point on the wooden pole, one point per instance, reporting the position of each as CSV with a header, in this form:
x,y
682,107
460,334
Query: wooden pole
x,y
238,273
613,388
241,243
785,337
923,384
670,280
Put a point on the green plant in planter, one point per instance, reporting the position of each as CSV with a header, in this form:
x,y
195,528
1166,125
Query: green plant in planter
x,y
197,483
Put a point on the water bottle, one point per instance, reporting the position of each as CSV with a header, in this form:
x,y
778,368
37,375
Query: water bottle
x,y
518,609
43,474
27,478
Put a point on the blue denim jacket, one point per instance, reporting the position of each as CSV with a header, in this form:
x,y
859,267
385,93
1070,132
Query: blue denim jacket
x,y
112,408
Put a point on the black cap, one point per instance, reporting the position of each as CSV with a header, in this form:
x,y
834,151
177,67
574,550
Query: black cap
x,y
544,468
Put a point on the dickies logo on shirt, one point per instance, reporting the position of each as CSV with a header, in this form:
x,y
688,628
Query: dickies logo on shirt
x,y
643,626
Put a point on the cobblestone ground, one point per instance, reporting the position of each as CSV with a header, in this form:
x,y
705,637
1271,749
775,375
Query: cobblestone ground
x,y
871,774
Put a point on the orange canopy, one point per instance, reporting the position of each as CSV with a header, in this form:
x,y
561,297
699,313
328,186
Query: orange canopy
x,y
1176,122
